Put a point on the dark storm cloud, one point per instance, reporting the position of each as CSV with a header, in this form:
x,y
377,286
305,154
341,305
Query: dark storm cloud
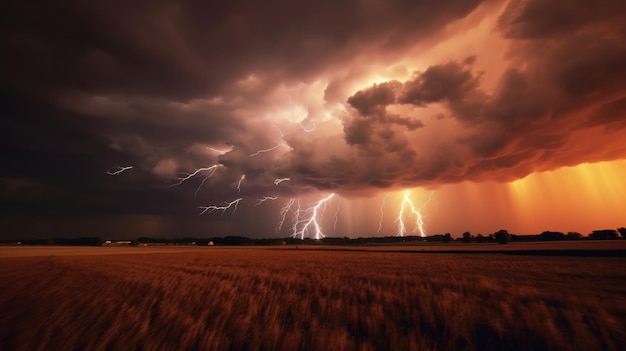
x,y
165,85
536,19
566,75
186,49
453,83
156,84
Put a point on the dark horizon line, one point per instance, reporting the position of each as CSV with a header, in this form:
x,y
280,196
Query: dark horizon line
x,y
602,234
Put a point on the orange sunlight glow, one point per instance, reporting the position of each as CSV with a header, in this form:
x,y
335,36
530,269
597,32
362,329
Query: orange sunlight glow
x,y
580,198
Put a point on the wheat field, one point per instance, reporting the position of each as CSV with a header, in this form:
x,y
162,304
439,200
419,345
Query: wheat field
x,y
298,299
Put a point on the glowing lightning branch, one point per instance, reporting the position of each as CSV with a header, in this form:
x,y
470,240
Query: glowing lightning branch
x,y
306,130
262,151
186,176
243,176
282,135
265,198
283,213
119,170
419,219
296,220
337,215
382,213
280,180
218,151
312,224
223,208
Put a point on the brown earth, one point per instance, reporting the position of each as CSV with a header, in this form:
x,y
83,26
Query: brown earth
x,y
210,298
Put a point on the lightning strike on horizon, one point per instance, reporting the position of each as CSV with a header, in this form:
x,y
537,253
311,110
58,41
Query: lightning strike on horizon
x,y
419,219
283,213
262,151
382,214
280,180
337,214
296,220
311,224
265,198
243,176
226,206
120,169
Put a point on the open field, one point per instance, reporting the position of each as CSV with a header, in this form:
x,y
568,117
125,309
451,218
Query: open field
x,y
588,245
188,298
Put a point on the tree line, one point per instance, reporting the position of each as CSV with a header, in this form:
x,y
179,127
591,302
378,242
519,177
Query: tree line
x,y
501,236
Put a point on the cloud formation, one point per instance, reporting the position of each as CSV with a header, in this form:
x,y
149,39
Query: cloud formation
x,y
352,97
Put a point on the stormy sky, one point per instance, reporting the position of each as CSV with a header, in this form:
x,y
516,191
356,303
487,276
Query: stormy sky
x,y
459,100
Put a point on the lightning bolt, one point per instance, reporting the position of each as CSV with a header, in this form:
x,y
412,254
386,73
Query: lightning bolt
x,y
262,151
265,198
223,208
283,213
296,220
382,213
407,203
337,214
311,224
184,176
282,135
308,130
119,170
243,176
280,180
301,122
218,151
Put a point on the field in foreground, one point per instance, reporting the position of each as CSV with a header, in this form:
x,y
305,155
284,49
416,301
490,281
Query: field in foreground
x,y
265,299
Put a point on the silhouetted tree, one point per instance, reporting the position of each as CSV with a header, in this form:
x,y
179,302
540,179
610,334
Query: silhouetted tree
x,y
622,232
574,236
502,236
604,234
547,235
480,238
467,237
82,241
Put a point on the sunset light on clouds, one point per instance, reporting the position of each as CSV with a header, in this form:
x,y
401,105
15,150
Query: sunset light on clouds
x,y
494,114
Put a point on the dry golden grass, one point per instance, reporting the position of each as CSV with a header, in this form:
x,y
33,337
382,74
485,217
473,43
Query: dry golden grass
x,y
268,299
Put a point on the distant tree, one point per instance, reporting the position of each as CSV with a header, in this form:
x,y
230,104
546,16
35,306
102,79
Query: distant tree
x,y
622,232
467,237
502,236
548,236
447,237
604,234
574,236
480,238
82,241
